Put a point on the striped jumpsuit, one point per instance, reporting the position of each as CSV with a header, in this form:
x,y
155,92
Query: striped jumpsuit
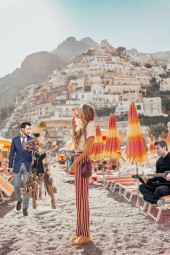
x,y
82,189
82,203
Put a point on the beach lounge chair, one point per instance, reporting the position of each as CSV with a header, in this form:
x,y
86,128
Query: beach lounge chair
x,y
156,216
5,188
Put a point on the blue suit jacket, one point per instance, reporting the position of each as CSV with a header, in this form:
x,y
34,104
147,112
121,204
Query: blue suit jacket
x,y
17,154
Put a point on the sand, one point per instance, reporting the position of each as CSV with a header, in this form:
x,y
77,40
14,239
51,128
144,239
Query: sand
x,y
116,226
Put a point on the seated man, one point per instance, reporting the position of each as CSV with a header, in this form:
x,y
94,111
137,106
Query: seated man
x,y
157,187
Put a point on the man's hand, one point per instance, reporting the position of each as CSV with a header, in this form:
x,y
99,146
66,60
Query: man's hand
x,y
11,171
145,178
168,177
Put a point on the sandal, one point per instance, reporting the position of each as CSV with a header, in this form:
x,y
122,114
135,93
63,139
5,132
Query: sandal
x,y
81,240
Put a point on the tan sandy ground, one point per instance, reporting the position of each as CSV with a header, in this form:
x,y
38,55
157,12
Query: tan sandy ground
x,y
116,226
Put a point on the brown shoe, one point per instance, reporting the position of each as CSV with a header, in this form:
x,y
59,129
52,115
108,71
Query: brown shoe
x,y
25,213
18,206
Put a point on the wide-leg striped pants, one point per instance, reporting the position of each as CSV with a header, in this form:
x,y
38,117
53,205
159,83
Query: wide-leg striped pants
x,y
82,203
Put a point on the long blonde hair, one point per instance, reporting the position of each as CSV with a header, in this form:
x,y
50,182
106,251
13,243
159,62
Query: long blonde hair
x,y
88,115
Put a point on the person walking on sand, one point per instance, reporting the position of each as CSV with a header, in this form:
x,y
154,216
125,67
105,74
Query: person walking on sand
x,y
83,137
40,174
19,164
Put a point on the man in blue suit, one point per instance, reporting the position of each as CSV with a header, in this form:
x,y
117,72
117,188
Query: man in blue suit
x,y
19,164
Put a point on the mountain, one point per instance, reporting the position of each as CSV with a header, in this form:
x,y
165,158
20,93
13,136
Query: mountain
x,y
71,48
88,41
34,69
162,56
37,66
132,51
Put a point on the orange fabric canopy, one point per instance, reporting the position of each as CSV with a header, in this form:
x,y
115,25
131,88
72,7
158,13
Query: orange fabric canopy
x,y
163,136
152,144
168,141
135,144
97,152
112,149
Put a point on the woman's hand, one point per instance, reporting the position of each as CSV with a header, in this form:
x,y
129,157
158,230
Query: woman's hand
x,y
73,168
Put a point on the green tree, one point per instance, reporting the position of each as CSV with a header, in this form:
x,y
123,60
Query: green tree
x,y
148,65
105,111
121,50
157,130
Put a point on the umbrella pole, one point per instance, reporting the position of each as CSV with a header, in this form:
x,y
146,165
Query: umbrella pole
x,y
137,172
118,169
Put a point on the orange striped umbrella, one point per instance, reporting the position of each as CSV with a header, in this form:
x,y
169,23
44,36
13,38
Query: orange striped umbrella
x,y
97,151
163,137
112,149
152,144
104,134
5,142
135,144
168,141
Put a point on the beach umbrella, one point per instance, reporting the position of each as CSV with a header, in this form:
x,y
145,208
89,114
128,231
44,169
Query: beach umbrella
x,y
136,151
112,149
5,142
104,134
163,137
152,144
168,141
135,144
98,146
6,148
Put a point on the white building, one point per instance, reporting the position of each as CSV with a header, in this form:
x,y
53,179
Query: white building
x,y
83,97
105,100
144,81
165,85
77,83
62,112
123,107
152,106
97,89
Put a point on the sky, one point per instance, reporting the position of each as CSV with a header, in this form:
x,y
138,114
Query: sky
x,y
28,26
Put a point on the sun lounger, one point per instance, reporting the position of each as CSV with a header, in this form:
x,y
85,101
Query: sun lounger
x,y
5,187
159,209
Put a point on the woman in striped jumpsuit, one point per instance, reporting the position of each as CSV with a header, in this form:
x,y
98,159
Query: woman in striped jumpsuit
x,y
83,135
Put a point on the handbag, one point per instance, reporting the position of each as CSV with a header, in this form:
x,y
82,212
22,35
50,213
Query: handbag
x,y
86,169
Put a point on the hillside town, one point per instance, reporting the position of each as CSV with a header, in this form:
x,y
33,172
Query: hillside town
x,y
105,77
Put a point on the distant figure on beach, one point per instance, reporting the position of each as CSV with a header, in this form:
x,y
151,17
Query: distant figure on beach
x,y
157,187
19,164
41,146
83,137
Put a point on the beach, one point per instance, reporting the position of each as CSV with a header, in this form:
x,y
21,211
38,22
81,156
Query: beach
x,y
117,227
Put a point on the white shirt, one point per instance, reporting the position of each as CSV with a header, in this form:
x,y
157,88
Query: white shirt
x,y
90,131
25,138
